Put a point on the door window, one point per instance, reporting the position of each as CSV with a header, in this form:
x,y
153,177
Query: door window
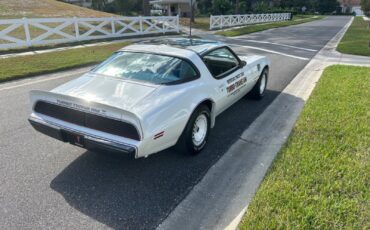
x,y
221,62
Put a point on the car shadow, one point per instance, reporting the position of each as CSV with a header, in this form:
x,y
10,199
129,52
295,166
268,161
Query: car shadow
x,y
124,193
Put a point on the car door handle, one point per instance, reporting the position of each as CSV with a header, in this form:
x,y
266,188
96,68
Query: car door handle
x,y
221,87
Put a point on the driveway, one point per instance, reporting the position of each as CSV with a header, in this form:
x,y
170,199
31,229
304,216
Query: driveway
x,y
48,184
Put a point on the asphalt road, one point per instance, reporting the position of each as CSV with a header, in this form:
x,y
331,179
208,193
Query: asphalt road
x,y
48,184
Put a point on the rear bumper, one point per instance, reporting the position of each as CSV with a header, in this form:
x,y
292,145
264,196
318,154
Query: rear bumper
x,y
90,142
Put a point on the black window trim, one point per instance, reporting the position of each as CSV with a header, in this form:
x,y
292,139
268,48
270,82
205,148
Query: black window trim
x,y
198,75
223,75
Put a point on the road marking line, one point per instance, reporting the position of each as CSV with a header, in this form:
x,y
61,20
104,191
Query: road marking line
x,y
272,51
277,44
43,80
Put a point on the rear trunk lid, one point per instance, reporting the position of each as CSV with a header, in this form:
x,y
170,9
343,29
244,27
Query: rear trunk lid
x,y
106,90
103,96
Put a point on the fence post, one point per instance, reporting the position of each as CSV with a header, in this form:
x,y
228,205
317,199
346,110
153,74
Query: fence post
x,y
163,25
178,23
141,24
113,26
77,32
27,31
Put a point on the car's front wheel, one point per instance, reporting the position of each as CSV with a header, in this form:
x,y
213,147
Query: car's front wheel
x,y
195,135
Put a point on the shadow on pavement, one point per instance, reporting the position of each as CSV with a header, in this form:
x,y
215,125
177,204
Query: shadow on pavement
x,y
124,193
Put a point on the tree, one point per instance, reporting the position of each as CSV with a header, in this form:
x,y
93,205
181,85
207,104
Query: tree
x,y
323,6
365,6
261,7
128,7
204,6
146,8
221,6
99,4
237,6
249,5
327,6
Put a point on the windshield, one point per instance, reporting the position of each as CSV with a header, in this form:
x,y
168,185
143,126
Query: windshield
x,y
153,68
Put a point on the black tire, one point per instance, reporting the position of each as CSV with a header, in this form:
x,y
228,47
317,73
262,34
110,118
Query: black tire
x,y
186,143
256,92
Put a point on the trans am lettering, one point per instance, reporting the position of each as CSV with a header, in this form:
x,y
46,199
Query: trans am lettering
x,y
233,79
80,107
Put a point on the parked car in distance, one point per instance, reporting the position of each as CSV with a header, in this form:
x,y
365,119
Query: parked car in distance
x,y
150,96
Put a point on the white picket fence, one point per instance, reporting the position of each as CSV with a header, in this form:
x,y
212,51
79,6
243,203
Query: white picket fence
x,y
224,21
27,32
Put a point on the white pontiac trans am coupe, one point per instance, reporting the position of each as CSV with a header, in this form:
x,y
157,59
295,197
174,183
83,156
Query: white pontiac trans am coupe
x,y
150,96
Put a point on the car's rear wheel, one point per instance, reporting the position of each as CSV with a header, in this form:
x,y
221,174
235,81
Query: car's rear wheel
x,y
196,132
259,89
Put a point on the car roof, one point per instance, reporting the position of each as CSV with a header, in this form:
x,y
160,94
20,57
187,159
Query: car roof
x,y
179,46
199,46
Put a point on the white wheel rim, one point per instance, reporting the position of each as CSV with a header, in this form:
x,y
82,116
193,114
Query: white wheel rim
x,y
200,130
263,84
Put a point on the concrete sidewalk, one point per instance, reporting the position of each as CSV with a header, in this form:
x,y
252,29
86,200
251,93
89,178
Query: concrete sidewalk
x,y
330,55
221,198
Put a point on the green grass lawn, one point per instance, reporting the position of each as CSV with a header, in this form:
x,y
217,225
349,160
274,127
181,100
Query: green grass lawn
x,y
321,177
357,39
45,9
15,9
200,22
25,66
299,19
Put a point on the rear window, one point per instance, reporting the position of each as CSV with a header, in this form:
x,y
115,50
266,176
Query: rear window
x,y
152,68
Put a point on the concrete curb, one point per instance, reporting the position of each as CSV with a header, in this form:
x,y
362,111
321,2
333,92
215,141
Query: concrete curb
x,y
330,55
221,198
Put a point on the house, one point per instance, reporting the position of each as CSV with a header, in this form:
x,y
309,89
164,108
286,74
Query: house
x,y
351,6
173,7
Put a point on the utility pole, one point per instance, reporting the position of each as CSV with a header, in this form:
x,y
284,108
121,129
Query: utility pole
x,y
191,16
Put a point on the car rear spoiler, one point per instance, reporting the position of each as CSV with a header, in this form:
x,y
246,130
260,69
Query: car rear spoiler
x,y
84,105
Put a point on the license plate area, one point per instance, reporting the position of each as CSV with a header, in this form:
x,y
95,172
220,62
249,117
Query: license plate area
x,y
74,138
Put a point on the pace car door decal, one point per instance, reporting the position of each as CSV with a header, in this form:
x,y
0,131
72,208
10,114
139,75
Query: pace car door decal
x,y
235,84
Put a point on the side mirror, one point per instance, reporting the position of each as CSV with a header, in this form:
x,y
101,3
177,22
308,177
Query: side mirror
x,y
243,63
